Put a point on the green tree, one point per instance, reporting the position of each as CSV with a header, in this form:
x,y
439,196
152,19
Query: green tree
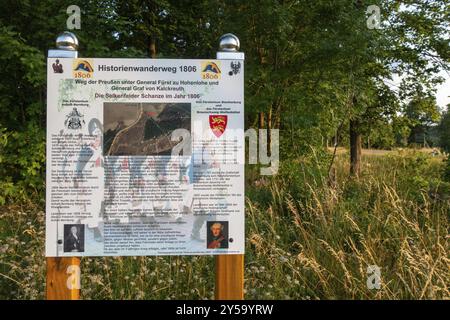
x,y
444,130
421,114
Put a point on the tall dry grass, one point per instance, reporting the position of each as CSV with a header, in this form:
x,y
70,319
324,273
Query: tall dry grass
x,y
307,238
395,216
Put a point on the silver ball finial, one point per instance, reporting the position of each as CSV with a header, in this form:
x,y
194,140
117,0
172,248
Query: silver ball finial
x,y
67,41
229,43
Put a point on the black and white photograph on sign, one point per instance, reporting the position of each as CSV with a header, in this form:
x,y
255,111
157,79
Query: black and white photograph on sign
x,y
74,238
143,129
217,234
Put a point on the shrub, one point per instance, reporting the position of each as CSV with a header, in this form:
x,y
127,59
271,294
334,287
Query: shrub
x,y
22,165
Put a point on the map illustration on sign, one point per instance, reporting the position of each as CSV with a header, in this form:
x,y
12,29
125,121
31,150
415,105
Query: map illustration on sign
x,y
143,128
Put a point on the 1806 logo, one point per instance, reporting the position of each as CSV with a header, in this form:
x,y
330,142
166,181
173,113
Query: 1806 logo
x,y
210,70
82,68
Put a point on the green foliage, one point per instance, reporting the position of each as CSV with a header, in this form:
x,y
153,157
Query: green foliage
x,y
313,66
22,165
23,74
447,170
381,137
444,131
421,112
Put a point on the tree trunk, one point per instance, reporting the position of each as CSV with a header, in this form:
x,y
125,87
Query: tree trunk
x,y
269,129
261,120
278,120
152,48
355,149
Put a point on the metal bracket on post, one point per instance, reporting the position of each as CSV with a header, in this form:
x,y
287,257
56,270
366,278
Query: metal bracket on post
x,y
63,273
229,268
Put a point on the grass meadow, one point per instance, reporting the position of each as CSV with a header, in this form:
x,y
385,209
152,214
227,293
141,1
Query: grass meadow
x,y
308,237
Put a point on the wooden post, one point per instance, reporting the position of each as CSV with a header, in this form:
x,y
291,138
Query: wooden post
x,y
63,273
230,268
63,278
230,277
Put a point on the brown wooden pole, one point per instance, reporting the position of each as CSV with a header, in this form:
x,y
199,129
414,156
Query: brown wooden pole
x,y
230,268
230,277
63,273
63,278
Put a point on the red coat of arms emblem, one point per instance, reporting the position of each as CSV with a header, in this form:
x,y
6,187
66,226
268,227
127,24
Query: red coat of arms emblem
x,y
218,124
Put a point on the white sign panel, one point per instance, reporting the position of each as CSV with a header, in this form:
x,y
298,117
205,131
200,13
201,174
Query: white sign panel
x,y
144,157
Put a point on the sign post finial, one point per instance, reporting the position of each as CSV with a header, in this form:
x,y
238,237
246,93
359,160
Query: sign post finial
x,y
66,46
229,45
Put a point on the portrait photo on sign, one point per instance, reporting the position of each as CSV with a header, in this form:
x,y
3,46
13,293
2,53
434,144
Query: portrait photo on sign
x,y
143,129
217,234
74,238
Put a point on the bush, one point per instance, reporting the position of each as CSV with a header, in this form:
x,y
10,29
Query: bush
x,y
22,165
446,175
